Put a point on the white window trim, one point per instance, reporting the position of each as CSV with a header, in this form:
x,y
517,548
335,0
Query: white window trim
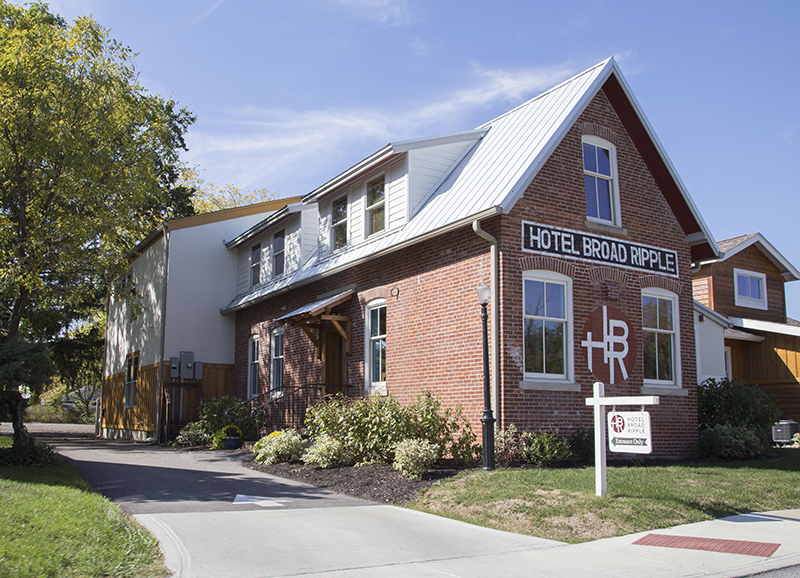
x,y
253,365
345,221
274,392
369,208
372,387
749,301
253,263
677,382
616,211
549,382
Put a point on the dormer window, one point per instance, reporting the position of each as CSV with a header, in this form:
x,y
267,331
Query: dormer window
x,y
376,206
600,181
751,289
278,250
255,265
339,223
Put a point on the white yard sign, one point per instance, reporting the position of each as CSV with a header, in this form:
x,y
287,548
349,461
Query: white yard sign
x,y
629,432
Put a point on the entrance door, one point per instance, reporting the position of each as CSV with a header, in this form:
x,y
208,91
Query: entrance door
x,y
334,361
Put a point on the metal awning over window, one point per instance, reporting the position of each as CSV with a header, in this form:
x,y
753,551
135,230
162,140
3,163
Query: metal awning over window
x,y
311,318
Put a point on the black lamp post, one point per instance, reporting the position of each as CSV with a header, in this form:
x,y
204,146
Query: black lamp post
x,y
484,294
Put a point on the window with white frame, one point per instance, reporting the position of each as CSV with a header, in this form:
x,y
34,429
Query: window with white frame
x,y
131,377
660,336
376,205
375,360
600,181
278,252
253,364
276,362
339,223
751,289
547,320
255,265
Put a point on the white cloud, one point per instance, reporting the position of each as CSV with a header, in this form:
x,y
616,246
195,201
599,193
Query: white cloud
x,y
207,11
392,12
295,151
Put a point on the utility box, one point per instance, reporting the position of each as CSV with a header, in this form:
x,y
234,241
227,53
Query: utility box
x,y
784,430
174,367
187,365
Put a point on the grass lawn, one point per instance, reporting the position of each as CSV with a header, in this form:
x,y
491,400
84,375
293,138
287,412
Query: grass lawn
x,y
53,524
560,503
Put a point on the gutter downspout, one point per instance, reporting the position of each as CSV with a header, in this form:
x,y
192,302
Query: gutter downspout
x,y
160,402
495,347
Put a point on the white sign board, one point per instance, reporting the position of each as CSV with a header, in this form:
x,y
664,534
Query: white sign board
x,y
629,432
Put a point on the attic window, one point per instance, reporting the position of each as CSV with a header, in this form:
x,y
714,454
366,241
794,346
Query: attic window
x,y
600,180
255,265
751,289
376,206
278,246
339,223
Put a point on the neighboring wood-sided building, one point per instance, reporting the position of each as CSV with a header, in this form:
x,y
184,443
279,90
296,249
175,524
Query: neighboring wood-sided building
x,y
567,206
180,276
762,346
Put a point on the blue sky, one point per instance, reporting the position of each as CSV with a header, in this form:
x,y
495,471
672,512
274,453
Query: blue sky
x,y
290,93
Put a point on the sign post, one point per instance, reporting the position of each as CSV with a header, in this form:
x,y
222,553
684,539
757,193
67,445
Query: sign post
x,y
599,401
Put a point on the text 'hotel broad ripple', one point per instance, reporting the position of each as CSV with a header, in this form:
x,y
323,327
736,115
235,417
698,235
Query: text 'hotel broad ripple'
x,y
549,240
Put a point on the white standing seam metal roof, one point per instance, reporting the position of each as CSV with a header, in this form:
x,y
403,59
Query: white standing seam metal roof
x,y
508,153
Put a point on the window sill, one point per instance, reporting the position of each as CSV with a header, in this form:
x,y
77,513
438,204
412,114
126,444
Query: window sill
x,y
377,391
664,390
605,227
549,386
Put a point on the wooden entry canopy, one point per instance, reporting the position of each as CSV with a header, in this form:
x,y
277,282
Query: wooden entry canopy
x,y
312,317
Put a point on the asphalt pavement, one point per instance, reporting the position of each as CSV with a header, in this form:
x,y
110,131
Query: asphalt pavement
x,y
216,518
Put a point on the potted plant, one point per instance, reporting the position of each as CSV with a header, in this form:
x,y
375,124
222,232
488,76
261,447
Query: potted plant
x,y
233,437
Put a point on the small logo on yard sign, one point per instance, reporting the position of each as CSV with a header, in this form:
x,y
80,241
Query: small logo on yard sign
x,y
609,352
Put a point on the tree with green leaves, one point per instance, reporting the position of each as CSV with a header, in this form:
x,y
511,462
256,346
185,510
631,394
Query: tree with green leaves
x,y
89,163
78,358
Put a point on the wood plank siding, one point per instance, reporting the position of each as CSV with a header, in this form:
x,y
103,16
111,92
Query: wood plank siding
x,y
773,365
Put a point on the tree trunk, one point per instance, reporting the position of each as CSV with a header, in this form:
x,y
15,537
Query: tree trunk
x,y
22,439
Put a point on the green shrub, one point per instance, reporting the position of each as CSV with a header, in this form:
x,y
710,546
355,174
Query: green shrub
x,y
193,434
372,427
50,414
38,454
213,417
546,449
218,440
726,402
328,452
279,446
510,446
414,457
730,442
582,445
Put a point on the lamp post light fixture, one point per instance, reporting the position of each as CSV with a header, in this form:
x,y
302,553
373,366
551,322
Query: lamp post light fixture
x,y
484,294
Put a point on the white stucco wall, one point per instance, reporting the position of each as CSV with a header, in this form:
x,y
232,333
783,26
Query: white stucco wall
x,y
201,281
127,333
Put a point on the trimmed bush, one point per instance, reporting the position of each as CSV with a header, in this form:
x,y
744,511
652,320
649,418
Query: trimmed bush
x,y
730,442
193,434
279,446
414,457
546,449
213,418
726,402
510,446
328,452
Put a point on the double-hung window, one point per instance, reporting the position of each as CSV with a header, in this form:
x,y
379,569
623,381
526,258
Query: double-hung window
x,y
376,205
255,265
375,361
547,320
131,377
660,337
600,181
252,366
276,363
751,289
339,223
278,252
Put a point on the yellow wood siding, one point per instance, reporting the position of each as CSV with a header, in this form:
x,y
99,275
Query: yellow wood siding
x,y
141,417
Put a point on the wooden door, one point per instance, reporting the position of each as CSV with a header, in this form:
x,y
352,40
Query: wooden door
x,y
334,361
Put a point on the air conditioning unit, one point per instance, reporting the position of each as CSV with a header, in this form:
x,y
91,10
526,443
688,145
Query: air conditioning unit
x,y
784,430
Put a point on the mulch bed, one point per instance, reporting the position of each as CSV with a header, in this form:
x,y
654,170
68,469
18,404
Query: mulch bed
x,y
374,482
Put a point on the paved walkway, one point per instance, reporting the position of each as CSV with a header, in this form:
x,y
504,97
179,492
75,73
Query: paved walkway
x,y
216,518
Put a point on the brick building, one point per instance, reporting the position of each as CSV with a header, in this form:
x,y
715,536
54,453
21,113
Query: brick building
x,y
567,206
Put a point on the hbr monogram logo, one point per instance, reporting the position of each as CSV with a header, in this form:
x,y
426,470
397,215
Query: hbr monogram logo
x,y
610,351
